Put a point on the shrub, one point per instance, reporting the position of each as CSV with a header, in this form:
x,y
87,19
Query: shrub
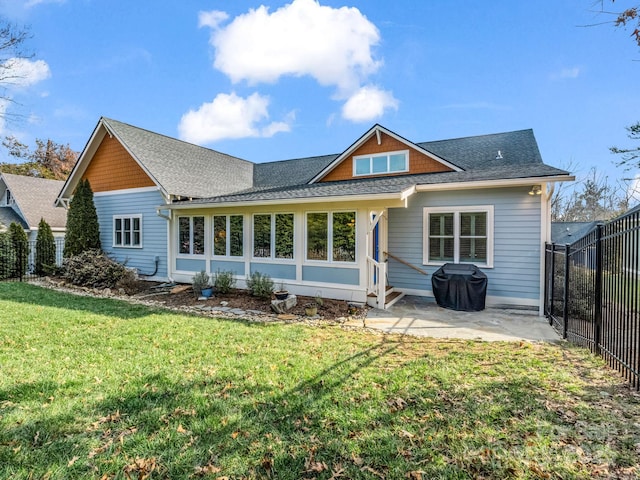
x,y
21,248
199,282
93,269
224,281
260,285
7,256
45,256
83,230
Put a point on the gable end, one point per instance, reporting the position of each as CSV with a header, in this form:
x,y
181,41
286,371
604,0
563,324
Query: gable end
x,y
113,168
418,161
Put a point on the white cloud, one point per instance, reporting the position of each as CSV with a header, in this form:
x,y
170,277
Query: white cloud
x,y
332,45
33,3
4,106
21,72
230,116
569,72
634,189
211,19
368,103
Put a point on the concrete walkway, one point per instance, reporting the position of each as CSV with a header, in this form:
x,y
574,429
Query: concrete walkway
x,y
423,317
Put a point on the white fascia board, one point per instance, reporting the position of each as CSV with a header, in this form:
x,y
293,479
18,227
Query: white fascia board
x,y
126,191
289,201
513,182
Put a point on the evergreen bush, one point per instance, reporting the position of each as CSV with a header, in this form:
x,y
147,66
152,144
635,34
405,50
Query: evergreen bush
x,y
83,230
20,244
45,255
7,256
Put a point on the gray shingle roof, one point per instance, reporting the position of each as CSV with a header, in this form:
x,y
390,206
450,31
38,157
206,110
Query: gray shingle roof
x,y
520,158
182,168
35,198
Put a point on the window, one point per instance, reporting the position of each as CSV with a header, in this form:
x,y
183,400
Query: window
x,y
9,198
392,162
273,236
191,235
127,231
459,235
227,235
331,236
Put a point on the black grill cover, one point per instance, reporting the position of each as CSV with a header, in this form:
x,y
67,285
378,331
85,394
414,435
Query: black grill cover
x,y
460,287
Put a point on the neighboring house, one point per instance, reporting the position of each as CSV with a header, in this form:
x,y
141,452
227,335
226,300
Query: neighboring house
x,y
26,200
568,232
347,226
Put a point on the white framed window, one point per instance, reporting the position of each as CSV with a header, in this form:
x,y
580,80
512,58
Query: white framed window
x,y
228,231
331,236
127,231
273,235
381,163
458,235
191,235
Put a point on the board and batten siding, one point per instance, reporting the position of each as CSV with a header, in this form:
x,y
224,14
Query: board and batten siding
x,y
515,276
154,229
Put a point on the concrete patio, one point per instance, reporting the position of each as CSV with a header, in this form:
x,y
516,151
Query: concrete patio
x,y
423,317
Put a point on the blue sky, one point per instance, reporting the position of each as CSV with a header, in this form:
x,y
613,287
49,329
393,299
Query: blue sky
x,y
274,80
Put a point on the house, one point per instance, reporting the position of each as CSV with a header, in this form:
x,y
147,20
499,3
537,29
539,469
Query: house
x,y
368,224
25,200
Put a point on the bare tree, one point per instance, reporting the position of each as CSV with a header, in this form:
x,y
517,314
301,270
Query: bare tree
x,y
594,198
12,53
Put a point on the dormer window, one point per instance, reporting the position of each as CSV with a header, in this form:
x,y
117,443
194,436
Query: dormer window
x,y
381,163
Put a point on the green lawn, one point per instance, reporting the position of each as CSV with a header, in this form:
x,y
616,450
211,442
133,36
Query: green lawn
x,y
98,388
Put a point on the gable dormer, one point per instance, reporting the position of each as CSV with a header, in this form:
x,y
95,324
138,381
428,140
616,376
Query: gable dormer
x,y
381,153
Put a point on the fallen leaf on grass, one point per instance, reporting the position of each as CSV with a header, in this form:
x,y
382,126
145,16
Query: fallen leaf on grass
x,y
317,467
371,470
207,470
416,475
72,461
142,467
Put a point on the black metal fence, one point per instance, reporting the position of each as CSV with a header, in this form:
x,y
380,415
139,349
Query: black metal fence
x,y
25,262
592,292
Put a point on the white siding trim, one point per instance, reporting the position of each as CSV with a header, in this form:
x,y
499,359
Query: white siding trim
x,y
126,191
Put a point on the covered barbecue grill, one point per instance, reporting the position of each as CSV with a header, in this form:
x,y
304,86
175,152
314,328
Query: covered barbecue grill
x,y
460,286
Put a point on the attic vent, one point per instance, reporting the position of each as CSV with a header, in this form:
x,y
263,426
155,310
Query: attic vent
x,y
499,155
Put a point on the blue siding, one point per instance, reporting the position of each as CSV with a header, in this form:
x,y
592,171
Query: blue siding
x,y
228,265
190,264
516,252
345,276
154,230
275,270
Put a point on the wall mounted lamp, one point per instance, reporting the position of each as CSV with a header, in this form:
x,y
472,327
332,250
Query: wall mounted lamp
x,y
535,190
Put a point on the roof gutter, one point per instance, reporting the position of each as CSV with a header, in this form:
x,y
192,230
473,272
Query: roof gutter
x,y
513,182
287,201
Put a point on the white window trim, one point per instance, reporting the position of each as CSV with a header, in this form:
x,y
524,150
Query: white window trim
x,y
191,232
227,254
488,209
388,155
272,257
122,218
330,259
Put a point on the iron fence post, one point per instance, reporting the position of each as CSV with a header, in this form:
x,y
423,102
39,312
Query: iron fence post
x,y
597,318
552,281
565,300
